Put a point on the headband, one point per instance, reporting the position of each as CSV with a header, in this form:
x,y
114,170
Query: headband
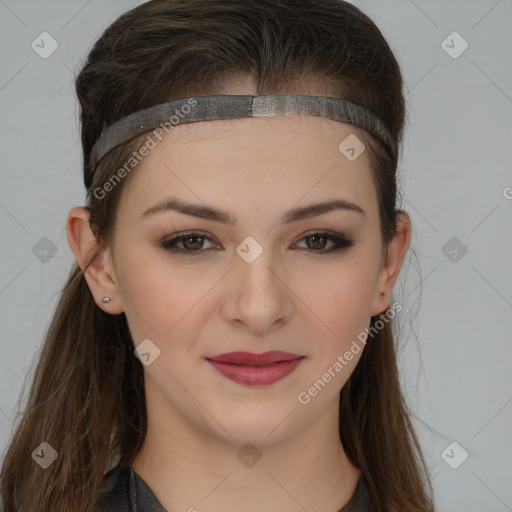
x,y
208,108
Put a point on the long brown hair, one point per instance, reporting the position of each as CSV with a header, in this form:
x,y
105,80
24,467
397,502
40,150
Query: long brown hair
x,y
87,397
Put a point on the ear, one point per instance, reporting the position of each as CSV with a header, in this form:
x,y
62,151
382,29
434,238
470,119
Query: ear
x,y
94,260
388,274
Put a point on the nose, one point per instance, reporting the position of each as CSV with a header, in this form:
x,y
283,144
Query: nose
x,y
258,296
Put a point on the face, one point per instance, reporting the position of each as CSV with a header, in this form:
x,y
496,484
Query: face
x,y
259,278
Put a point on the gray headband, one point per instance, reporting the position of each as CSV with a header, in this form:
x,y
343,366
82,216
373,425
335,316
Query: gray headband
x,y
222,106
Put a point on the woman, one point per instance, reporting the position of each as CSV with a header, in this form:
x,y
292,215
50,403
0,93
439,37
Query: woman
x,y
225,338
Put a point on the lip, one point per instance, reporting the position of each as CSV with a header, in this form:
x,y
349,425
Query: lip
x,y
249,358
256,369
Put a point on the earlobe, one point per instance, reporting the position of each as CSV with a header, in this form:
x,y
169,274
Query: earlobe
x,y
392,264
93,259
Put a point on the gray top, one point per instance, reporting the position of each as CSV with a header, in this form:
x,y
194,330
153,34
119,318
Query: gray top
x,y
126,491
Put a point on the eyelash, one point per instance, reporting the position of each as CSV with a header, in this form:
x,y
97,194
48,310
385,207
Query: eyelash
x,y
342,243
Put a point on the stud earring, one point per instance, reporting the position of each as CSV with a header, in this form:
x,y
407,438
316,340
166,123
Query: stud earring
x,y
105,300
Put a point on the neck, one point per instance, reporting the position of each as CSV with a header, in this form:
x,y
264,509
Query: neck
x,y
196,470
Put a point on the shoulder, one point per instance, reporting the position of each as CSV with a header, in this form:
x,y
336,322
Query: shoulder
x,y
116,495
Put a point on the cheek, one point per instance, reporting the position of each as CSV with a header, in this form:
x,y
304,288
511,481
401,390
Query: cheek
x,y
162,301
342,302
341,298
149,303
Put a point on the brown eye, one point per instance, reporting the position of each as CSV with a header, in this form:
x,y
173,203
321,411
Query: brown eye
x,y
318,241
192,243
195,244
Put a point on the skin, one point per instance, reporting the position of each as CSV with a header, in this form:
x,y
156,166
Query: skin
x,y
287,299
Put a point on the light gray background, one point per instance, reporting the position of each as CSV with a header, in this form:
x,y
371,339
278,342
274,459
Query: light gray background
x,y
455,171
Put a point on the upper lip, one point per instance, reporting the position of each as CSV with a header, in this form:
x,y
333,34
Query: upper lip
x,y
250,358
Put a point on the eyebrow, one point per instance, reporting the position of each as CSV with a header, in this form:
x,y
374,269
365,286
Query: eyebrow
x,y
216,215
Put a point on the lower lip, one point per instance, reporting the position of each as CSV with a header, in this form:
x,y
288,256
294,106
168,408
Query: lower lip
x,y
256,375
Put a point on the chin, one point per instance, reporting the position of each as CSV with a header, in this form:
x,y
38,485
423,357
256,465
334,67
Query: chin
x,y
256,426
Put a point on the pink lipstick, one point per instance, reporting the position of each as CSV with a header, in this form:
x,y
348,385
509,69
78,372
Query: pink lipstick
x,y
255,369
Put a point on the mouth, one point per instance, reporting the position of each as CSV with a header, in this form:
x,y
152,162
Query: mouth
x,y
256,369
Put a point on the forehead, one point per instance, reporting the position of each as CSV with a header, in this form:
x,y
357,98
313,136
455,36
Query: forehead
x,y
311,127
257,160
